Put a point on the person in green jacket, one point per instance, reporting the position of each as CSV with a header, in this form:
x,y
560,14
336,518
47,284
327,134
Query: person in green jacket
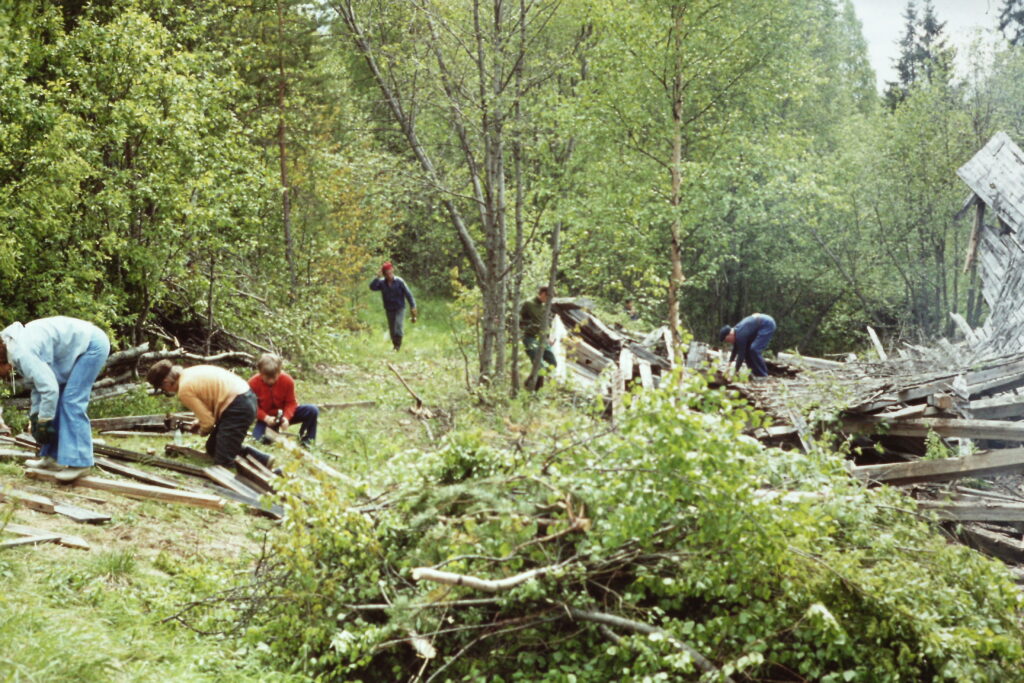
x,y
531,322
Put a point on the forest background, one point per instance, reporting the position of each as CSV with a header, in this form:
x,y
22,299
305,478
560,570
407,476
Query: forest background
x,y
233,173
215,170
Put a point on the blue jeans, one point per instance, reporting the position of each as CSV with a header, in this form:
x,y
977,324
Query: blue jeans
x,y
73,445
305,416
396,319
532,344
755,361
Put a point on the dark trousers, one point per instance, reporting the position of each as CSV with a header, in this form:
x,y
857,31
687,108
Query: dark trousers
x,y
225,441
532,344
305,416
755,361
396,320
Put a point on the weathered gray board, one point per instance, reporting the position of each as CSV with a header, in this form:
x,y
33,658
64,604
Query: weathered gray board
x,y
996,175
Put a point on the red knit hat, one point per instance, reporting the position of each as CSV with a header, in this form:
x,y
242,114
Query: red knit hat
x,y
387,266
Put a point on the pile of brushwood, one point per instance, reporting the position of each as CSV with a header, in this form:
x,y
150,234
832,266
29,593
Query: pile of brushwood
x,y
669,548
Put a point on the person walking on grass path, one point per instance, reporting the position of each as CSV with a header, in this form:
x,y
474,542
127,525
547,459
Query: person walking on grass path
x,y
59,358
223,404
749,339
276,406
394,293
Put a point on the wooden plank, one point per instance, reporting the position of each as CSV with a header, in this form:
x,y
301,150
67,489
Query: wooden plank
x,y
222,476
267,473
926,389
961,511
944,426
11,454
909,411
161,422
991,543
986,464
253,506
185,451
132,456
135,490
134,435
29,500
997,407
29,540
82,515
879,349
646,379
252,474
965,329
626,359
63,539
350,404
137,474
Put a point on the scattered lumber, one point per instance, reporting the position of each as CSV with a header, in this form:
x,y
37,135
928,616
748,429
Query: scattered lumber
x,y
81,515
66,540
968,511
947,469
29,500
256,506
149,423
30,540
136,474
135,490
223,477
948,427
349,404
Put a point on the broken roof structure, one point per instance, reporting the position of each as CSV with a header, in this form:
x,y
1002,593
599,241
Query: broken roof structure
x,y
996,178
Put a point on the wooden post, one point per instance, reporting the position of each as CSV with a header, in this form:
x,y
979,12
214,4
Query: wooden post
x,y
979,221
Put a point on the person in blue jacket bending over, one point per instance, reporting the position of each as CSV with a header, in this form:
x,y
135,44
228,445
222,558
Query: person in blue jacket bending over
x,y
749,339
394,293
59,359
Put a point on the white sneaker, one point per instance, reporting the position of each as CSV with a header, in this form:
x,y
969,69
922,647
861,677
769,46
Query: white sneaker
x,y
42,463
70,473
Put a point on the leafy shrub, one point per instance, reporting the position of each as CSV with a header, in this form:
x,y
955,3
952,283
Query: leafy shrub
x,y
772,564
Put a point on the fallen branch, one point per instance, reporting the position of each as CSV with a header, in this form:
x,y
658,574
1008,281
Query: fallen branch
x,y
702,662
486,585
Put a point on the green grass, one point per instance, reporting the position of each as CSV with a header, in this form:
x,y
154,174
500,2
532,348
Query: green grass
x,y
71,615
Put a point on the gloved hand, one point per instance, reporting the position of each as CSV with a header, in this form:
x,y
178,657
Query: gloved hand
x,y
413,314
43,431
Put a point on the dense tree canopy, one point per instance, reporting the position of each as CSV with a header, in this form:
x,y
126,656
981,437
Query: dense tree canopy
x,y
233,169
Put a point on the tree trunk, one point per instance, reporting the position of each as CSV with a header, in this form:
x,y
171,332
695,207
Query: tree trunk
x,y
286,198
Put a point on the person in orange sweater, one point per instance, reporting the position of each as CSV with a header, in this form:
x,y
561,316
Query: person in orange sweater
x,y
277,407
223,404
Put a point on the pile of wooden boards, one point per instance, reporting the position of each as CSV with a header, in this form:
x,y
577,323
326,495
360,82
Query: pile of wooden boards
x,y
888,409
609,359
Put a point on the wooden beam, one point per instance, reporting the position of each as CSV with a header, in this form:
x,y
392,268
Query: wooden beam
x,y
991,543
944,426
646,378
350,404
134,490
30,540
222,476
997,407
810,361
879,349
81,515
137,474
962,511
946,469
66,540
29,500
979,221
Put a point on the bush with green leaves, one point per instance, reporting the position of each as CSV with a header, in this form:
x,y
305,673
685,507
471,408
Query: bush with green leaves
x,y
773,565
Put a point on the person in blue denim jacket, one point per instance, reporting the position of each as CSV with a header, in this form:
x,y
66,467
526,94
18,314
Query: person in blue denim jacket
x,y
59,359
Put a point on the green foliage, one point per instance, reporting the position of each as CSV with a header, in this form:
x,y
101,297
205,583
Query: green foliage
x,y
765,561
